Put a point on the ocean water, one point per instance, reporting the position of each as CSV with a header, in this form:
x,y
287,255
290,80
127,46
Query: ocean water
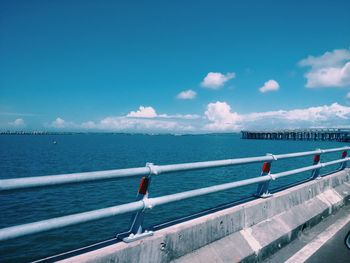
x,y
23,156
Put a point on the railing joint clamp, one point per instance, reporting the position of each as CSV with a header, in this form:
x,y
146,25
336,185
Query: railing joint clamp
x,y
272,176
321,151
152,168
147,204
272,155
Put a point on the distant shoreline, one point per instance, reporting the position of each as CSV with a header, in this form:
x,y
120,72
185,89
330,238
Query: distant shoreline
x,y
110,133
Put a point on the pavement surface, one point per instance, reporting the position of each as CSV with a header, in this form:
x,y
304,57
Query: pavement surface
x,y
325,242
334,250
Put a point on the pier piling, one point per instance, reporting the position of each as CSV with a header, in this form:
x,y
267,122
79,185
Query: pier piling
x,y
340,135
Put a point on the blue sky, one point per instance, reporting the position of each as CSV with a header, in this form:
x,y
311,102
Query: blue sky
x,y
174,66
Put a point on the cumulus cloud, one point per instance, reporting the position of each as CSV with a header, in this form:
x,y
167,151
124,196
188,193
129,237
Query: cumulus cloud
x,y
332,69
142,125
145,119
149,112
129,124
270,85
215,80
18,123
220,117
186,95
320,113
180,116
89,125
320,116
143,112
59,123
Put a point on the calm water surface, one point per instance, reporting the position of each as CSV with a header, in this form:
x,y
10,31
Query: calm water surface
x,y
23,156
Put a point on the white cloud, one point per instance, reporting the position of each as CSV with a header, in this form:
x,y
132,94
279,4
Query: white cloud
x,y
329,59
215,80
187,95
321,113
149,112
142,125
270,85
332,69
143,112
145,119
180,116
59,123
322,116
165,124
18,123
89,125
220,117
329,77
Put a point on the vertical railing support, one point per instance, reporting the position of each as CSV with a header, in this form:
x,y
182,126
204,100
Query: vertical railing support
x,y
344,154
316,173
136,230
263,188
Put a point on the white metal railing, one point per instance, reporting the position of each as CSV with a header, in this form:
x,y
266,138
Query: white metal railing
x,y
143,202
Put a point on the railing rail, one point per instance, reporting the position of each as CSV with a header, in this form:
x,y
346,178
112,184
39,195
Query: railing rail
x,y
73,178
143,202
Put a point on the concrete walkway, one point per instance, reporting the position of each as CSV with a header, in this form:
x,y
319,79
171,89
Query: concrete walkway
x,y
322,243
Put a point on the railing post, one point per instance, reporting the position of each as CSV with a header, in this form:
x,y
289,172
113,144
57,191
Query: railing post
x,y
136,230
317,159
344,154
263,188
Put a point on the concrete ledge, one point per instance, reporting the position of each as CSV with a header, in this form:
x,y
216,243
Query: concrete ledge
x,y
248,232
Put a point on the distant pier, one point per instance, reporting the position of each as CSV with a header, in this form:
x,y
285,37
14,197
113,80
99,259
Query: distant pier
x,y
340,135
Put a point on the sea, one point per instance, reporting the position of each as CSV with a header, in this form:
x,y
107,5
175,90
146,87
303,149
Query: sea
x,y
40,155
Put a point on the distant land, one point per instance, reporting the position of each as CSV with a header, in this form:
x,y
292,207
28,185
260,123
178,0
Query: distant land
x,y
36,133
106,132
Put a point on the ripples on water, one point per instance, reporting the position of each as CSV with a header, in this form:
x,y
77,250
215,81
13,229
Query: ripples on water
x,y
22,156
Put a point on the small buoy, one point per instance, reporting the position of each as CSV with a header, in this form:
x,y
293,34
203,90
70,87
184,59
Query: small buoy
x,y
54,142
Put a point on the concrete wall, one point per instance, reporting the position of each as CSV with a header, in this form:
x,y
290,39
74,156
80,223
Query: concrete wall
x,y
248,232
